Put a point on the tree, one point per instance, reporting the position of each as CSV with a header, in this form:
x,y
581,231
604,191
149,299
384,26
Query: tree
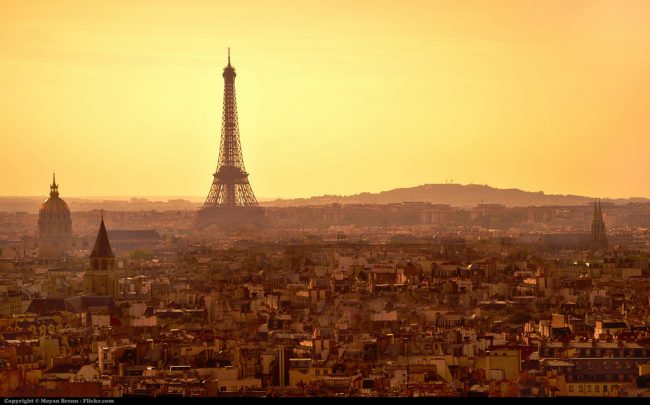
x,y
141,254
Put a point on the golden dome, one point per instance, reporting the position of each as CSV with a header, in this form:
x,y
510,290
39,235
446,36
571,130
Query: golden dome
x,y
54,208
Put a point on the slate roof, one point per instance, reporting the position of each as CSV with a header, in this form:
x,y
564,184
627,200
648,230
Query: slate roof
x,y
102,245
49,305
83,302
77,304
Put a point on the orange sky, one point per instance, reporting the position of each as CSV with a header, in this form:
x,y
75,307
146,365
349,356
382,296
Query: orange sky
x,y
334,97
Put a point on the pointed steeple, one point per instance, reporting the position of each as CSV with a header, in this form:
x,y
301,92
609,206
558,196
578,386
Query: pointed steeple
x,y
102,247
600,210
598,231
54,188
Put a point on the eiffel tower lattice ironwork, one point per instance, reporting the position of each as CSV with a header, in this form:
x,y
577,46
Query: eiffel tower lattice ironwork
x,y
231,198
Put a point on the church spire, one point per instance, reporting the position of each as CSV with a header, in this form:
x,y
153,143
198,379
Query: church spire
x,y
600,210
101,278
102,247
598,232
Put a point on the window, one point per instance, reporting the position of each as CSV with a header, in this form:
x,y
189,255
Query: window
x,y
589,388
597,388
580,388
570,388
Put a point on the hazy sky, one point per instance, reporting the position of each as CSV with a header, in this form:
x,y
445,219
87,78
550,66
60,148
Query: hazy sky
x,y
334,97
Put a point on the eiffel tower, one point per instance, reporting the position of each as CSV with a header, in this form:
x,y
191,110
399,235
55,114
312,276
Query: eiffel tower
x,y
231,201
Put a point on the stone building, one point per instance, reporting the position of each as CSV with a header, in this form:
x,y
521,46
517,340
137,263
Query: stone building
x,y
54,225
101,278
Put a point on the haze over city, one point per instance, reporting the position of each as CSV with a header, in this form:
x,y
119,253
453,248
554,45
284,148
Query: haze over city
x,y
124,98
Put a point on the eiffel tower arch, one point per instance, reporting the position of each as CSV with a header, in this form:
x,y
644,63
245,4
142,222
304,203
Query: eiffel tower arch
x,y
231,201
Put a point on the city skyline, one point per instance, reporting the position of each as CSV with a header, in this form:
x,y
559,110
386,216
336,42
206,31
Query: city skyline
x,y
367,199
201,198
514,95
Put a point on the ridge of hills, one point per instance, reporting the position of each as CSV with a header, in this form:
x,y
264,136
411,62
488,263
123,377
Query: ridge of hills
x,y
457,195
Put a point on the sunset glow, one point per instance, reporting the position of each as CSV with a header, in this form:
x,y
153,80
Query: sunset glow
x,y
124,98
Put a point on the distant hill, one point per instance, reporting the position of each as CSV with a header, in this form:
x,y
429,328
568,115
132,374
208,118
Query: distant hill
x,y
457,195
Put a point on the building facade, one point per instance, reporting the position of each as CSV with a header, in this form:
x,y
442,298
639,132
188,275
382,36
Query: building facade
x,y
54,225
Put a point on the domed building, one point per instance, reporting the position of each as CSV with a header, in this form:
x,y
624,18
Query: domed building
x,y
54,224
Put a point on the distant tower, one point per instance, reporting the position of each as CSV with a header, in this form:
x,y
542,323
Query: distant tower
x,y
231,200
101,278
54,224
598,234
